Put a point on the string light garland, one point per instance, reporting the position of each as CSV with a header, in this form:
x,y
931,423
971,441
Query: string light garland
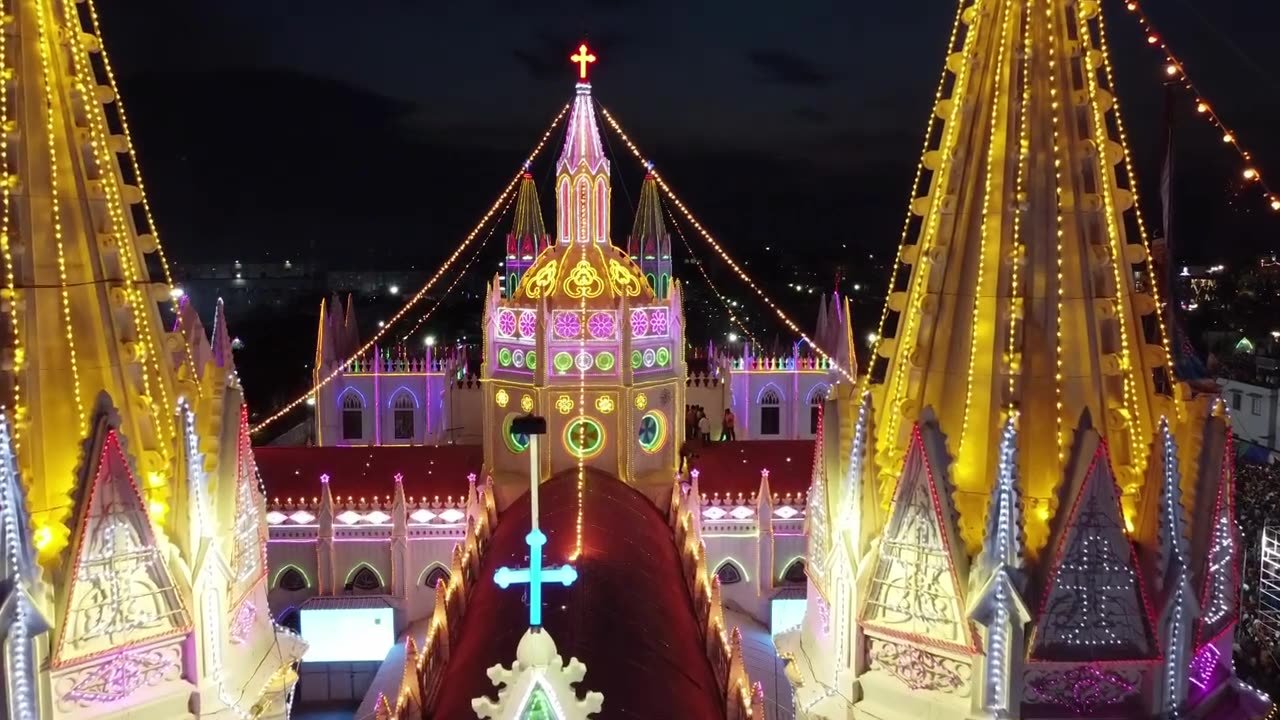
x,y
1176,72
702,269
503,198
706,235
10,292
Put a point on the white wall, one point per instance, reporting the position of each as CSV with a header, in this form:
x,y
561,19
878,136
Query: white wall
x,y
1255,411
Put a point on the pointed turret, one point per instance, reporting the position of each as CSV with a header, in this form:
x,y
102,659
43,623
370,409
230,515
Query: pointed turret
x,y
528,237
582,174
20,619
820,332
649,244
221,339
194,334
350,332
1022,266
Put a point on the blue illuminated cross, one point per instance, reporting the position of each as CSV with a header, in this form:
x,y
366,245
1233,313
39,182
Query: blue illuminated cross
x,y
535,575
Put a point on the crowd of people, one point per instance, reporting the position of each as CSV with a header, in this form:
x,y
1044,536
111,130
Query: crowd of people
x,y
1257,505
697,431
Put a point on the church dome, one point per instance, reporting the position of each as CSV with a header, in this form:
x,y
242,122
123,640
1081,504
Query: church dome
x,y
566,274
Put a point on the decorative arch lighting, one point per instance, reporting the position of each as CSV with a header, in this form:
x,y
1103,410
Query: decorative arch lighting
x,y
652,431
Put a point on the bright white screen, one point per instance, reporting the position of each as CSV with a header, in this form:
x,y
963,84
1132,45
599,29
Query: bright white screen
x,y
787,615
347,635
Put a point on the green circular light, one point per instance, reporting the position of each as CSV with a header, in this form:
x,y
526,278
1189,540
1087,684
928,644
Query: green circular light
x,y
584,437
504,357
637,359
652,432
664,356
563,361
530,360
515,443
604,361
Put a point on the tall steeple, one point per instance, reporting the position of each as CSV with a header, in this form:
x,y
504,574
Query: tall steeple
x,y
528,236
582,173
95,383
649,244
1028,280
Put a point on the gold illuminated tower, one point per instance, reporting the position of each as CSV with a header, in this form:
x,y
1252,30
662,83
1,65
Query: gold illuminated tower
x,y
1030,516
128,439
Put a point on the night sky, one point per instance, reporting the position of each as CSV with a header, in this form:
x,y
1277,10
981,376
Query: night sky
x,y
373,134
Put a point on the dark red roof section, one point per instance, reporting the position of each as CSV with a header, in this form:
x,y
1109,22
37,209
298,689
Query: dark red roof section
x,y
730,468
430,471
629,617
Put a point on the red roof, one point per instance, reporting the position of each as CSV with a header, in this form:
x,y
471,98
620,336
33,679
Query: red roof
x,y
433,470
629,617
730,468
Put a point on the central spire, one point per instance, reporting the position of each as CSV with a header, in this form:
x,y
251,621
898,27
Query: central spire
x,y
582,174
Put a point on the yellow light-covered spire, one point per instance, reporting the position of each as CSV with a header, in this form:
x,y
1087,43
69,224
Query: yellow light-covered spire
x,y
1026,282
82,308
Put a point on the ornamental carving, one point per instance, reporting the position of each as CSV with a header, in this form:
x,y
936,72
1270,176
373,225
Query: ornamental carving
x,y
918,669
542,282
583,281
1084,688
118,676
622,280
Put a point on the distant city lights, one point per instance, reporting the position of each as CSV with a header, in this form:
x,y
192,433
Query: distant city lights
x,y
394,289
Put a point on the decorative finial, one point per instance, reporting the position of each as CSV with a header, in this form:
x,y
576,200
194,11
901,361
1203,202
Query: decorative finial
x,y
583,57
399,478
527,163
648,166
325,478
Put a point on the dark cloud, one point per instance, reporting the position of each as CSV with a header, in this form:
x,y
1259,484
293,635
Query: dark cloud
x,y
786,68
813,115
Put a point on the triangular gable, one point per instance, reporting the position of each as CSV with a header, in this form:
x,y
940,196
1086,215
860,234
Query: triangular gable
x,y
1220,572
1094,605
249,558
539,705
916,591
120,591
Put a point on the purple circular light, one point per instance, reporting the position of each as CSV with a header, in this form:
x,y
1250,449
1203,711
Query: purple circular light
x,y
639,323
506,323
601,325
658,321
568,325
528,323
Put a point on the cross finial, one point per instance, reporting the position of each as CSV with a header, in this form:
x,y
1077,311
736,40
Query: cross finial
x,y
583,57
648,166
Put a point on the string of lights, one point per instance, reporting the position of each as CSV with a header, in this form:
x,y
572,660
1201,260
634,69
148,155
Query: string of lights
x,y
1175,71
503,199
702,269
465,269
706,235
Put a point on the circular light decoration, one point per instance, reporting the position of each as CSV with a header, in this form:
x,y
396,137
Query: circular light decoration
x,y
604,360
650,357
604,404
526,403
504,357
584,361
584,437
639,323
663,356
564,404
601,325
528,323
501,397
506,323
530,360
563,361
637,359
517,358
642,401
653,431
568,325
658,321
515,442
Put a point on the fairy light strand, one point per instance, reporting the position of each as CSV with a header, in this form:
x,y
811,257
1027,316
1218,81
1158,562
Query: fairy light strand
x,y
1058,193
417,297
702,269
1020,189
706,235
1176,71
7,181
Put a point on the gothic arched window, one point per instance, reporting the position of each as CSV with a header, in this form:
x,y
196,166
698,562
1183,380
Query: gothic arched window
x,y
436,576
352,416
770,412
795,572
364,580
816,398
291,579
729,573
402,408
